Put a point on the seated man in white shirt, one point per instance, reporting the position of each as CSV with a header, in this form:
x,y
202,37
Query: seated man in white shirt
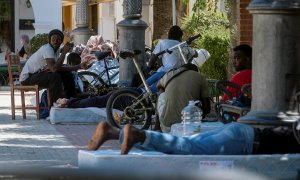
x,y
45,68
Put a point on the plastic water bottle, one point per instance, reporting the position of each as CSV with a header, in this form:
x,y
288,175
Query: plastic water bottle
x,y
191,117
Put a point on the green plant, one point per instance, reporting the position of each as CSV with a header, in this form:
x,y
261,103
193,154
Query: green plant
x,y
37,41
155,42
215,38
217,45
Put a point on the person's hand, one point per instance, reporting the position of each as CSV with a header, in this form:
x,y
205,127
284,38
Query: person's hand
x,y
84,64
66,48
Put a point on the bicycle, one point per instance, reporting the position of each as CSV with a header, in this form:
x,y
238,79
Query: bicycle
x,y
102,76
127,106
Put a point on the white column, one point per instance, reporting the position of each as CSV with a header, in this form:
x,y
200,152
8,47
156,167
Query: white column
x,y
47,14
107,21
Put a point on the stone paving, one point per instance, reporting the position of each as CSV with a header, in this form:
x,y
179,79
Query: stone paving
x,y
37,148
32,142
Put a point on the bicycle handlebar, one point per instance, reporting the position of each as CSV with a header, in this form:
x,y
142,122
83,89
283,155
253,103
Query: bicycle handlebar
x,y
188,41
191,39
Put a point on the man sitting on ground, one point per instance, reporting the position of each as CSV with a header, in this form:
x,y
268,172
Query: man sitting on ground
x,y
180,86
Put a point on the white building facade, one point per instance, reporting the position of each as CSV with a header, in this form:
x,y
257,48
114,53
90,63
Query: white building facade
x,y
33,17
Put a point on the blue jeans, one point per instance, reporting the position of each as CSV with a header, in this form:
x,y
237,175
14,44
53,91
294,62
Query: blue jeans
x,y
231,139
153,80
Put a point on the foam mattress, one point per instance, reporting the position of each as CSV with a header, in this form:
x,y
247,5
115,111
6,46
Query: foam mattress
x,y
156,164
77,115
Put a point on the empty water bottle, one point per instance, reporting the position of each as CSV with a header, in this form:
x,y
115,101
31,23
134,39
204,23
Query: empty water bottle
x,y
191,117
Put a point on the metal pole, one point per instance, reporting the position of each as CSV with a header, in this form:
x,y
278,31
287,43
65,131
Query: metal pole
x,y
174,12
131,36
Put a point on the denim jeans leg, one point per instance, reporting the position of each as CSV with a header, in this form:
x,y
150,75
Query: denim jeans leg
x,y
166,143
153,80
232,139
162,142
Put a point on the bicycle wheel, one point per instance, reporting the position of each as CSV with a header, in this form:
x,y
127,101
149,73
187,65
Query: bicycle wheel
x,y
125,107
91,82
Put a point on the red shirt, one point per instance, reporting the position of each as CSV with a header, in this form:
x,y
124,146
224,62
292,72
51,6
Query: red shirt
x,y
240,78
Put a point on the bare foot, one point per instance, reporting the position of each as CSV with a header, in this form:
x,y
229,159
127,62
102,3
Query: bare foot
x,y
61,102
132,136
104,132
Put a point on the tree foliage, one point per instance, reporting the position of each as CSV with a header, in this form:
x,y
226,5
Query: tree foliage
x,y
213,27
37,41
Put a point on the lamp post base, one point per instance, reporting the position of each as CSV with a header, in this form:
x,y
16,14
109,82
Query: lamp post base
x,y
269,119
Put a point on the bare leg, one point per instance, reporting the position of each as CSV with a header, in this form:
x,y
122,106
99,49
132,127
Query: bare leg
x,y
104,132
132,136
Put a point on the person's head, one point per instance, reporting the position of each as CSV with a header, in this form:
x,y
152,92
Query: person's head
x,y
24,39
56,37
242,58
175,33
73,59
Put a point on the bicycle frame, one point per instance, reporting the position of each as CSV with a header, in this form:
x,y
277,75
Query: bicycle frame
x,y
148,91
132,54
148,95
180,50
105,71
179,46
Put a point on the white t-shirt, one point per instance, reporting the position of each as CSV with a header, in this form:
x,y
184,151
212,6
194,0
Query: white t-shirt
x,y
37,61
173,60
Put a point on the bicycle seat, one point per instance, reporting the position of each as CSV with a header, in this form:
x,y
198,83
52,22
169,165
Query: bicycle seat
x,y
125,53
102,54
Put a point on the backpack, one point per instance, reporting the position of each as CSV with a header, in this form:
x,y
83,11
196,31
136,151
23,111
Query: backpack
x,y
44,111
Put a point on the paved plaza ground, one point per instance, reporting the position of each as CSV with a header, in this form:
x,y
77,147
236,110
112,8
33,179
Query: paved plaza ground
x,y
31,142
36,149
